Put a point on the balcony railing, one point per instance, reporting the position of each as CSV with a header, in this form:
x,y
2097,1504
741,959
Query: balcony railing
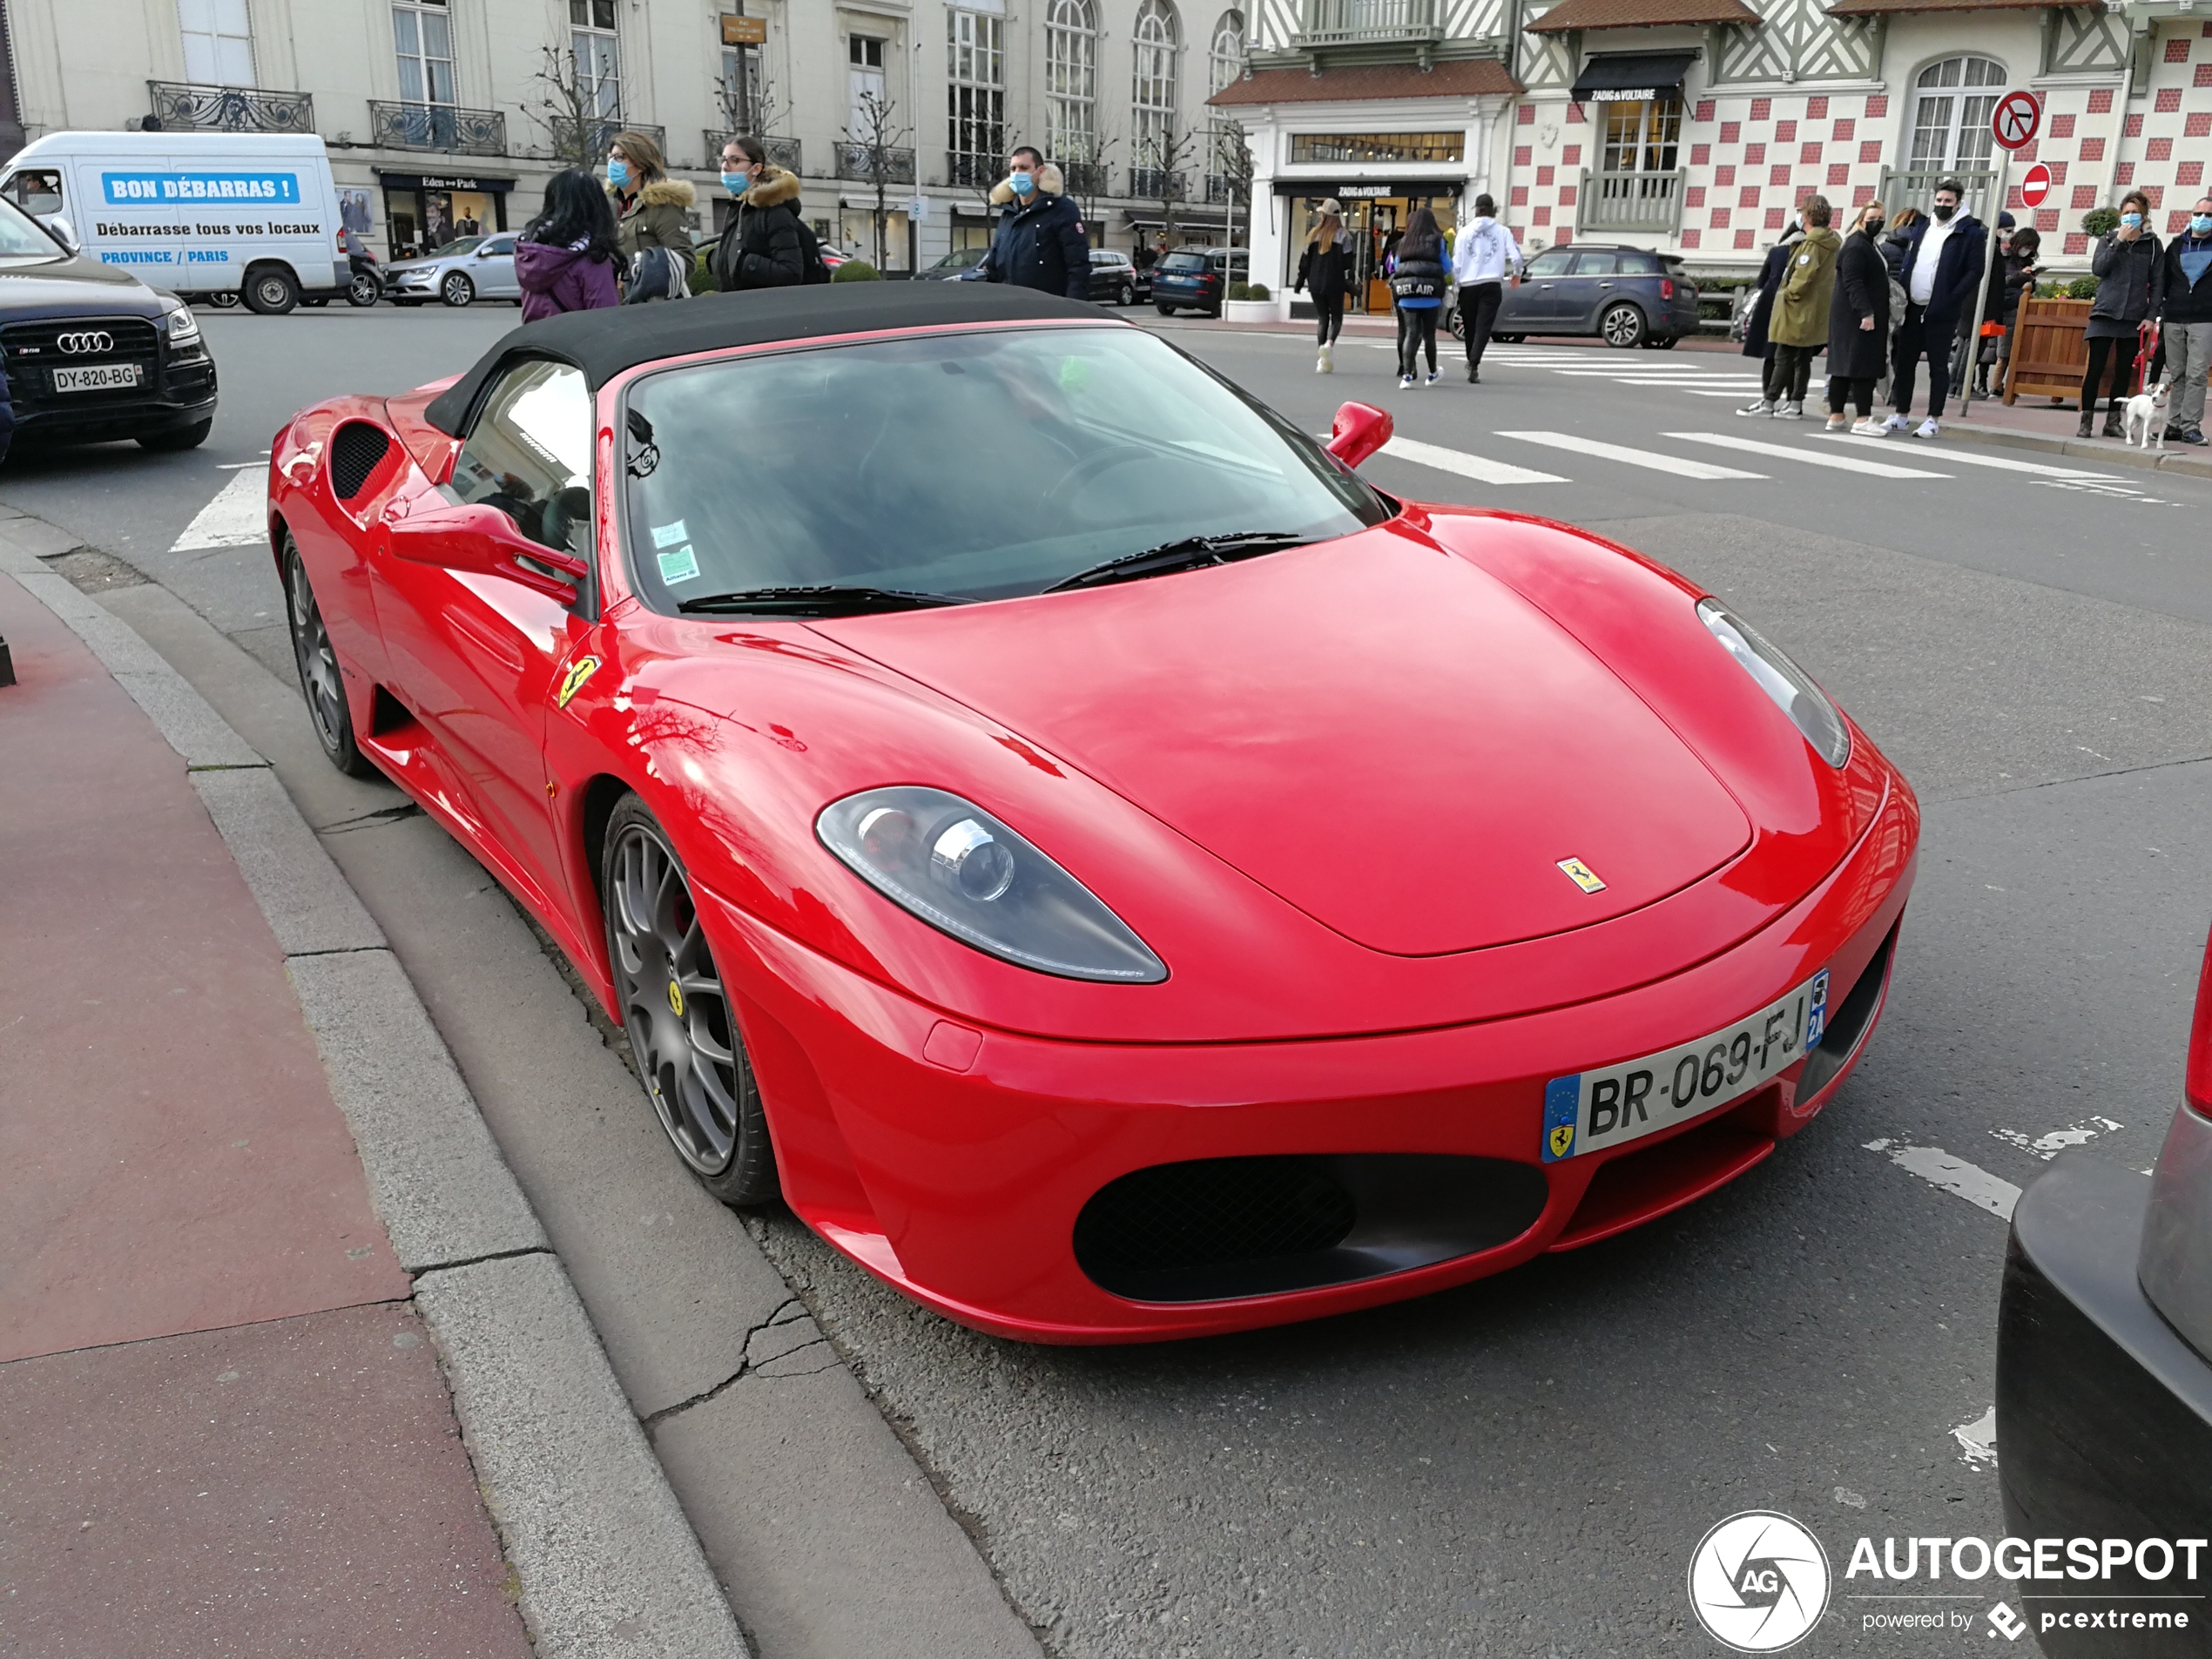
x,y
184,106
782,152
1085,177
437,126
1916,188
1222,188
1152,184
977,172
1630,201
1338,23
585,143
859,162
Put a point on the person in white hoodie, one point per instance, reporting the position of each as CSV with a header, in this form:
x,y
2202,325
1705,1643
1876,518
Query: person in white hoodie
x,y
1480,258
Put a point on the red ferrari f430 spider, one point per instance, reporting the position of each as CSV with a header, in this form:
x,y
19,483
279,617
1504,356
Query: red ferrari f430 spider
x,y
1112,871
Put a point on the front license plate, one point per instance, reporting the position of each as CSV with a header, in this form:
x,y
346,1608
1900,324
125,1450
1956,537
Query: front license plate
x,y
100,377
1594,1111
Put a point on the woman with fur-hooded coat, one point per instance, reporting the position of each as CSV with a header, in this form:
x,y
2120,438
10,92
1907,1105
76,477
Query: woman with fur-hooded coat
x,y
760,245
1040,243
649,205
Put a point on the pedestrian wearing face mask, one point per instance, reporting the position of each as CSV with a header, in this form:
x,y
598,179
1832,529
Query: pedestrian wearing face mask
x,y
761,247
2126,267
1942,271
649,205
1858,324
1761,311
1040,242
2182,298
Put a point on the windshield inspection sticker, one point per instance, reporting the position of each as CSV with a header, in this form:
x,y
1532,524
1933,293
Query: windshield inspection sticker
x,y
668,535
682,566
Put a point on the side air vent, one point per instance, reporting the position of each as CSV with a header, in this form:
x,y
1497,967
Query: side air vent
x,y
356,449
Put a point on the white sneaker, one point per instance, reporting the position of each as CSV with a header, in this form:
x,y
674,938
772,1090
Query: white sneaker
x,y
1760,407
1896,423
1404,382
1325,363
1838,423
1792,410
1929,429
1871,427
1432,378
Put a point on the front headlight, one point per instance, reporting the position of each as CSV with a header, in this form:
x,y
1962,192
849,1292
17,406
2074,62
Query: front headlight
x,y
183,327
1789,686
961,870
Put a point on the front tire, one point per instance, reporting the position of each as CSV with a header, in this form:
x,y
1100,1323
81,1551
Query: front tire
x,y
364,290
272,291
321,681
1165,311
1125,295
1621,327
456,290
185,437
676,1013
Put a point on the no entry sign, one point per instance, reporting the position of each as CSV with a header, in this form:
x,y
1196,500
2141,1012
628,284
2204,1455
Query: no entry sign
x,y
2036,185
2017,121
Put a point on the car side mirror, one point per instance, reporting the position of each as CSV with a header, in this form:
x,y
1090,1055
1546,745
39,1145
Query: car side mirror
x,y
482,539
1359,430
63,231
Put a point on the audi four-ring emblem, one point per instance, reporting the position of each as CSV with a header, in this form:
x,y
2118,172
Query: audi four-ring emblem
x,y
78,345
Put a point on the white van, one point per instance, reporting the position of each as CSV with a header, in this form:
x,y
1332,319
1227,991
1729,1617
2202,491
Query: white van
x,y
199,214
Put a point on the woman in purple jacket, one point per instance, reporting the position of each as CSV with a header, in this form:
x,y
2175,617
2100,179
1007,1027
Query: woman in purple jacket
x,y
567,257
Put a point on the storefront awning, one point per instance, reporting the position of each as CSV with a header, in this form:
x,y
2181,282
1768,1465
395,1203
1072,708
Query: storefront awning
x,y
1368,189
1615,78
1639,14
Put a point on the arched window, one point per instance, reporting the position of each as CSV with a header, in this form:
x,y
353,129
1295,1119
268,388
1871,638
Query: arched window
x,y
1156,147
1225,62
1952,104
1070,80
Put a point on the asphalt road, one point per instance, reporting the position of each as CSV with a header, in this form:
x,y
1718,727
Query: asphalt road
x,y
1523,1467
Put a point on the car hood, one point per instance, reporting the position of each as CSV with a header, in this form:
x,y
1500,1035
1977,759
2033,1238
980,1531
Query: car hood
x,y
1375,729
74,287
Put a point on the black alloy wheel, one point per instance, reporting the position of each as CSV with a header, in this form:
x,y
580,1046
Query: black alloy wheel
x,y
683,1036
1621,326
321,682
364,289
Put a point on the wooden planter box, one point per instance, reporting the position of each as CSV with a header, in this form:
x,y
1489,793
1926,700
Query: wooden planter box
x,y
2050,352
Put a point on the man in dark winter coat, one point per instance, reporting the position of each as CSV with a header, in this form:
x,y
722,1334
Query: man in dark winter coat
x,y
1944,268
2182,298
760,245
1040,241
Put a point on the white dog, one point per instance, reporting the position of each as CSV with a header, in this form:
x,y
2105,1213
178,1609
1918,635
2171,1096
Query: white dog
x,y
2146,415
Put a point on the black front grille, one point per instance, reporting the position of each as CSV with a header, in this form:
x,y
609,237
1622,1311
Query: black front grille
x,y
355,450
1217,1228
33,350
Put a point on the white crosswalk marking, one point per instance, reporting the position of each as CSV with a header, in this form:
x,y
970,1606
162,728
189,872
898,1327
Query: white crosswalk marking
x,y
1652,458
1841,463
237,517
1940,1169
1467,465
1950,454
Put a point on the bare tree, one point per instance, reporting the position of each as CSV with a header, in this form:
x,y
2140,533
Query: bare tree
x,y
1095,145
1232,160
1157,162
568,102
750,110
873,141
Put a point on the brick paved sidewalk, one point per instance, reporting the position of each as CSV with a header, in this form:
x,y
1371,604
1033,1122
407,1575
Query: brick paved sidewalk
x,y
222,1428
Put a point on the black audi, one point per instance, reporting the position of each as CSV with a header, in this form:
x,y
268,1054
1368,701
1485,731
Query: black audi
x,y
91,353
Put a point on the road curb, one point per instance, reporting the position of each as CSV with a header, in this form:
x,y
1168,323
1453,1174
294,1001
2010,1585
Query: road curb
x,y
605,1560
2187,465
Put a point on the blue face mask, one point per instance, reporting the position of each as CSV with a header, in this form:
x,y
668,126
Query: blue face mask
x,y
2132,221
737,183
2200,225
1023,183
618,173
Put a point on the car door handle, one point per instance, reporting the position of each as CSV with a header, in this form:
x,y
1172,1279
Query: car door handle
x,y
1605,285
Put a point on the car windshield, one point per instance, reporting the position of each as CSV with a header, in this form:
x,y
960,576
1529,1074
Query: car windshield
x,y
20,237
1183,262
978,465
958,259
459,245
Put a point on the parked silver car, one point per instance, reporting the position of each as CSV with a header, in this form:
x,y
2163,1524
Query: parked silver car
x,y
465,270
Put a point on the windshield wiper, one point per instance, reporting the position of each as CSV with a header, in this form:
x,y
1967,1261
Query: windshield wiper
x,y
1186,553
827,599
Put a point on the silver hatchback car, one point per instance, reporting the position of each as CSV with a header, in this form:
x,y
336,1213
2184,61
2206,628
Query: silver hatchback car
x,y
462,271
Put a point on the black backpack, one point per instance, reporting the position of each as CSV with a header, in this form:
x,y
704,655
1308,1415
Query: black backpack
x,y
809,254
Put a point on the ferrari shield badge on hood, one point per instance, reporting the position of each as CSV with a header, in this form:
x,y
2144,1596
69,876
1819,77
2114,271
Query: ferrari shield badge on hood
x,y
1577,872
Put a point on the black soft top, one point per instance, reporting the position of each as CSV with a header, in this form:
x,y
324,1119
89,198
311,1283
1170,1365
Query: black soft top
x,y
604,343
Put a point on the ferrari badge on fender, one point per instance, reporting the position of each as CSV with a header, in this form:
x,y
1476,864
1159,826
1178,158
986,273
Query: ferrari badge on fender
x,y
1577,872
584,667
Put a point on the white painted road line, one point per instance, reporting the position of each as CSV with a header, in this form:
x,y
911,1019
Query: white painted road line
x,y
1940,1169
1842,463
1649,458
1467,465
1950,453
239,516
